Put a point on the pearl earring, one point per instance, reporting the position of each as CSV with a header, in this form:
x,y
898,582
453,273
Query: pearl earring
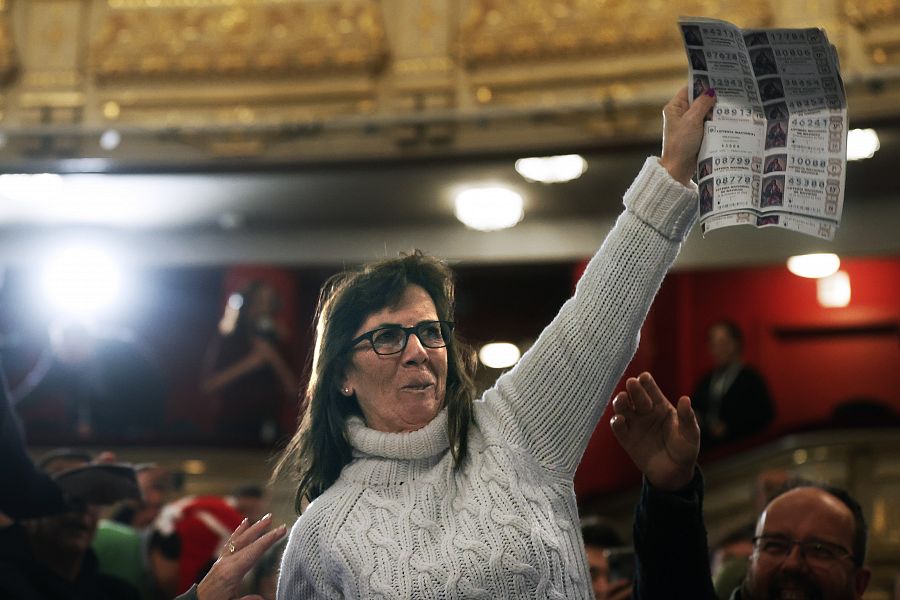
x,y
346,391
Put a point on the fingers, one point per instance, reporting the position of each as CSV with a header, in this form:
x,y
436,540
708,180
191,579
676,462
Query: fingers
x,y
687,420
702,105
252,553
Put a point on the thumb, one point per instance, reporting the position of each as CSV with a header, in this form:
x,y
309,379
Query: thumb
x,y
687,420
702,104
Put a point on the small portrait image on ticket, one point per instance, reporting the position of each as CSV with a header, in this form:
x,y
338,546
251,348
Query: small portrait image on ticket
x,y
775,163
707,194
776,134
692,35
701,84
773,191
756,38
698,61
778,110
763,60
771,89
705,168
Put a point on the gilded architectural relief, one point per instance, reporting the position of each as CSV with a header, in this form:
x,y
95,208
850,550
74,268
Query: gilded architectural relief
x,y
141,39
879,23
360,78
7,44
503,31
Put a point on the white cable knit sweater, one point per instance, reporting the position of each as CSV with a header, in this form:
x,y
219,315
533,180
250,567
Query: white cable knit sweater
x,y
402,523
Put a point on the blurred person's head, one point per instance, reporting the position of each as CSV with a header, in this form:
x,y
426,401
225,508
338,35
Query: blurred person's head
x,y
598,538
251,500
728,559
264,576
157,486
768,484
810,544
61,541
252,310
186,540
725,342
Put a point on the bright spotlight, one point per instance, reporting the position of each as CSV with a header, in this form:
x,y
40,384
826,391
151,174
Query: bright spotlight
x,y
862,143
81,280
552,169
499,355
834,291
814,266
489,208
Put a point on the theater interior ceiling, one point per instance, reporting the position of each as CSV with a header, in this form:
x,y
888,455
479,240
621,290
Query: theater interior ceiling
x,y
326,131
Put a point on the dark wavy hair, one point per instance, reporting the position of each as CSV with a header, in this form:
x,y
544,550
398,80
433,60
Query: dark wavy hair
x,y
320,449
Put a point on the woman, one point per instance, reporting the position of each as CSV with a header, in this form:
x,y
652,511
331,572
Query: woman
x,y
246,368
419,492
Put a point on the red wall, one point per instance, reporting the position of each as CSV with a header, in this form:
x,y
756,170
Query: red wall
x,y
813,357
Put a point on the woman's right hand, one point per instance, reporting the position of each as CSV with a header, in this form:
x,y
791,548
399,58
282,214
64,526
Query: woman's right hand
x,y
683,133
243,549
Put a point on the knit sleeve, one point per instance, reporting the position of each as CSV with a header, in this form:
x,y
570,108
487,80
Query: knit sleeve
x,y
304,574
549,404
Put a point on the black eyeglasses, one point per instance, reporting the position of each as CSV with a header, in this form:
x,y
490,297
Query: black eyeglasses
x,y
814,551
392,339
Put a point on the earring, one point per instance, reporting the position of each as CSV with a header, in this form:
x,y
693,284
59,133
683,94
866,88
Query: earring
x,y
346,391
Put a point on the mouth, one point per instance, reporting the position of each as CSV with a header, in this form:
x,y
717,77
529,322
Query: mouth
x,y
417,387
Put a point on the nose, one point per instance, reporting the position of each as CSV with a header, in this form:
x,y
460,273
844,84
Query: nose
x,y
415,352
794,559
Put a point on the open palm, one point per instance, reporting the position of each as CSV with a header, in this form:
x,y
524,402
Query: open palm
x,y
662,440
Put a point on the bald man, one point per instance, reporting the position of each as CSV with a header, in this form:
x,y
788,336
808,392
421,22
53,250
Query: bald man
x,y
810,541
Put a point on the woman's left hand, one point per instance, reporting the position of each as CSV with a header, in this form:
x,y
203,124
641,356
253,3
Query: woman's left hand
x,y
243,549
683,133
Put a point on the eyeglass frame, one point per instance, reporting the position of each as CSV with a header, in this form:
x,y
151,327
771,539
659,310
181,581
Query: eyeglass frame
x,y
842,552
408,331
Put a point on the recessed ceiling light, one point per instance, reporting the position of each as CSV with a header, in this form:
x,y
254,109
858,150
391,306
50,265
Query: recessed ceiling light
x,y
862,143
489,208
814,266
499,355
552,169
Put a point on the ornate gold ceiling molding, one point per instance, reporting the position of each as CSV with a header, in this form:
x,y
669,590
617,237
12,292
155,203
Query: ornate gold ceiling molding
x,y
509,31
8,62
878,22
242,38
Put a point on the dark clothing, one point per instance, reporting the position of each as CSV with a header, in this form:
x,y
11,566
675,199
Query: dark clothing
x,y
118,391
671,553
743,404
25,491
24,578
250,402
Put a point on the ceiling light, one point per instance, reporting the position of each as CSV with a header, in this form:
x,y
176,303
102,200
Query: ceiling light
x,y
489,208
834,291
862,143
814,266
499,355
552,169
37,187
110,139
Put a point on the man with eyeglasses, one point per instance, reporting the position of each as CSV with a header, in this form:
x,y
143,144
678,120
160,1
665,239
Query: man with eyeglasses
x,y
810,541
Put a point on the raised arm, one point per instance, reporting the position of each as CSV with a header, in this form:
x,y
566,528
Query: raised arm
x,y
669,535
549,404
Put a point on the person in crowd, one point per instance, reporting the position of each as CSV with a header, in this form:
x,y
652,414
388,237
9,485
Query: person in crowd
x,y
109,385
732,401
50,556
599,540
246,366
728,559
158,484
251,500
810,540
418,489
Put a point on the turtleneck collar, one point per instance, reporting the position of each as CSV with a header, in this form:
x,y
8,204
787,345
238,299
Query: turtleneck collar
x,y
414,445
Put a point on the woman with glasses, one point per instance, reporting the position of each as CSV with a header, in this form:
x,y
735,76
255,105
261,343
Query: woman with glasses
x,y
420,491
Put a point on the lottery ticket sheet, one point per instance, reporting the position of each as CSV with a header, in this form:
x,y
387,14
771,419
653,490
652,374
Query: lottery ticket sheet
x,y
775,150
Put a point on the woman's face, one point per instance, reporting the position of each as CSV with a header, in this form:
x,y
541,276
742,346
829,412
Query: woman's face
x,y
404,391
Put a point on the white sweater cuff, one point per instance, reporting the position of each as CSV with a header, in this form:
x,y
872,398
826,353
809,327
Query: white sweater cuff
x,y
661,202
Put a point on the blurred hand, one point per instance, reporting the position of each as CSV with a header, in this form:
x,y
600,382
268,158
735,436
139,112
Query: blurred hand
x,y
683,133
249,542
661,440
